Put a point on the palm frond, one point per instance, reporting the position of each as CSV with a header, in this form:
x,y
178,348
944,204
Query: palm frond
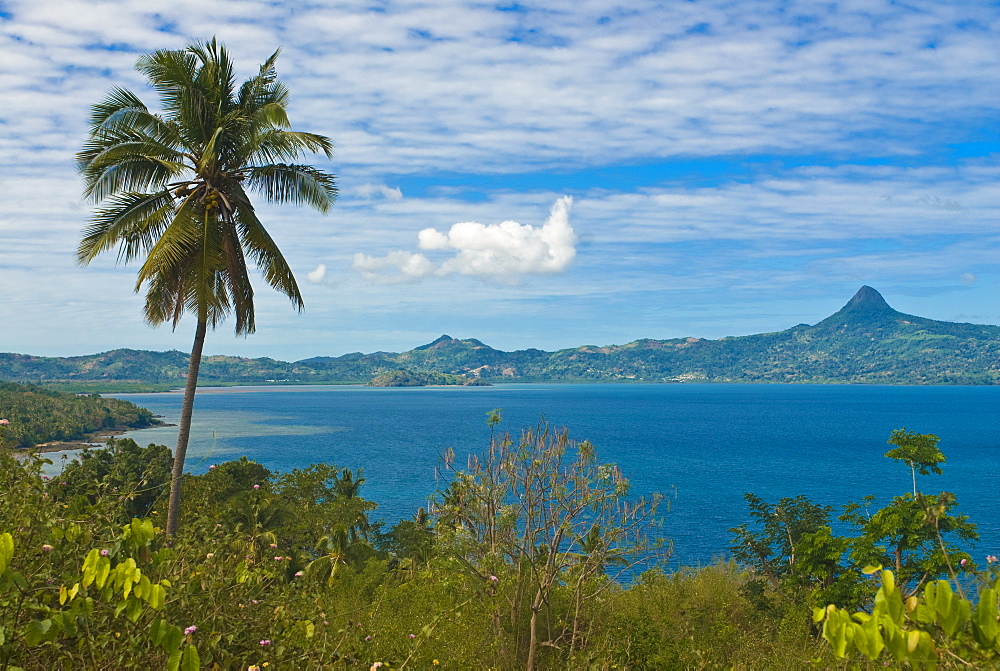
x,y
273,146
131,166
117,101
265,254
132,222
296,184
238,281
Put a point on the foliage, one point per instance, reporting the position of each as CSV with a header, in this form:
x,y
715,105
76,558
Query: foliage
x,y
121,471
695,619
795,553
908,534
544,518
37,415
918,451
287,570
421,378
938,626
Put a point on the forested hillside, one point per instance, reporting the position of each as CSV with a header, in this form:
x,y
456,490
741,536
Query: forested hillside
x,y
31,415
865,342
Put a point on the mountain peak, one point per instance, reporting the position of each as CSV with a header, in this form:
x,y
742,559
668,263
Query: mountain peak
x,y
867,298
436,343
865,307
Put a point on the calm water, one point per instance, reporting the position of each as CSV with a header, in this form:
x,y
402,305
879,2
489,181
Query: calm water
x,y
703,445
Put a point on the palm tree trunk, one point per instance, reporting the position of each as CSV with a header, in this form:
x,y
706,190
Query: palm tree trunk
x,y
184,431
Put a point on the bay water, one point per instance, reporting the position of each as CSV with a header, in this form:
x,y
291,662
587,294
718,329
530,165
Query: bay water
x,y
702,445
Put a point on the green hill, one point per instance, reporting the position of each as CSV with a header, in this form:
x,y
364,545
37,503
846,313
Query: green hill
x,y
31,415
865,342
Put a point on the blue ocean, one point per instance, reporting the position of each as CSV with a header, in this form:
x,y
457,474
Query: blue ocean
x,y
701,445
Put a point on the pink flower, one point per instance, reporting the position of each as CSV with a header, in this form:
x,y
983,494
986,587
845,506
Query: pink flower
x,y
104,553
47,547
256,486
963,562
266,642
278,558
274,545
209,555
991,558
299,574
4,422
413,635
212,467
190,630
494,579
368,638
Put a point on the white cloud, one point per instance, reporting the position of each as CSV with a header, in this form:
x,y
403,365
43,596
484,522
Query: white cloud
x,y
968,279
369,191
316,276
393,268
503,252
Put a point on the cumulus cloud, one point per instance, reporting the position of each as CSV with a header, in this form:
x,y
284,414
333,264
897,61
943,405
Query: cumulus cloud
x,y
968,279
503,252
317,275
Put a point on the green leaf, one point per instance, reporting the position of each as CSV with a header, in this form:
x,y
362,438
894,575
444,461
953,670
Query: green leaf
x,y
835,631
102,572
6,550
171,638
984,620
157,595
35,632
90,567
134,609
190,660
156,630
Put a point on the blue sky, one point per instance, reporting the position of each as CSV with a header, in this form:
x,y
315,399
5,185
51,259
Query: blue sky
x,y
543,174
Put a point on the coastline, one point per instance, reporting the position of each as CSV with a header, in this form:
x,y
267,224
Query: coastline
x,y
90,440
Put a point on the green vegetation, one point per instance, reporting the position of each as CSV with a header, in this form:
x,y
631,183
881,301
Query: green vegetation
x,y
31,415
422,378
175,189
514,566
865,342
108,387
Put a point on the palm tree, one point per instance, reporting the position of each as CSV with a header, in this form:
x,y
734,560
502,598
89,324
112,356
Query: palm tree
x,y
174,188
